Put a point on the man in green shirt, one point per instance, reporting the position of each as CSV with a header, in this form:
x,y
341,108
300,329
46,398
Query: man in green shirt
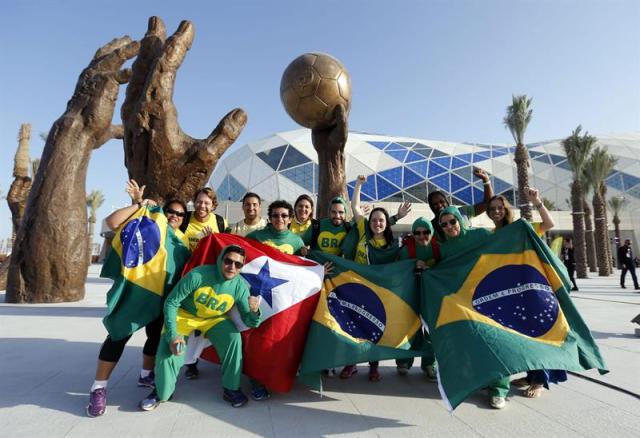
x,y
277,234
201,301
327,234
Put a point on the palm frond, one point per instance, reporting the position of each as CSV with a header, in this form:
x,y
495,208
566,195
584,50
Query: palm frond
x,y
577,148
518,116
617,204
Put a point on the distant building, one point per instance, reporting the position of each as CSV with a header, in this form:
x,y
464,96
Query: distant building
x,y
406,169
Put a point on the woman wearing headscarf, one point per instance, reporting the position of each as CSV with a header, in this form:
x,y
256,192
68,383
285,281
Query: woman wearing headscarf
x,y
418,246
457,239
500,212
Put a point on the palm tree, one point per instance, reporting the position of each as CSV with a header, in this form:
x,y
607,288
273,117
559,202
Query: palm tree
x,y
516,120
599,166
35,163
94,201
588,223
577,148
616,205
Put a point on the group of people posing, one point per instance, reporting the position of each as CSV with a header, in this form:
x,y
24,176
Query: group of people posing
x,y
196,309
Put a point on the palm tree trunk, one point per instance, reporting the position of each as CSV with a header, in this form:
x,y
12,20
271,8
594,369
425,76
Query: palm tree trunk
x,y
92,221
616,229
579,247
601,237
522,167
589,239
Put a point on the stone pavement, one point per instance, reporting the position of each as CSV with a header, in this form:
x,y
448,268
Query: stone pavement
x,y
47,365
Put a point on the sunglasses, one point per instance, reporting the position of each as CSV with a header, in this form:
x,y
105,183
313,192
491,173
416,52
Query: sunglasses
x,y
422,233
227,261
279,216
450,222
174,212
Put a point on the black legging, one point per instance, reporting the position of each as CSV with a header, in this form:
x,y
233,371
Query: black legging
x,y
571,269
111,350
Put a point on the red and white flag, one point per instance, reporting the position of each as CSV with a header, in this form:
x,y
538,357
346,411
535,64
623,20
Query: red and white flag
x,y
289,288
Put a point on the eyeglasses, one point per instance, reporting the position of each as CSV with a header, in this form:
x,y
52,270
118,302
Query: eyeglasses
x,y
450,222
422,233
279,216
227,261
174,212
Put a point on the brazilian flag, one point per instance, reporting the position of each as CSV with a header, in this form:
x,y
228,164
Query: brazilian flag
x,y
365,313
145,261
501,308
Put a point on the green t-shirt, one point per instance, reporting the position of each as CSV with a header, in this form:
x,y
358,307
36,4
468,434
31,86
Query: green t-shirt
x,y
329,239
285,241
204,294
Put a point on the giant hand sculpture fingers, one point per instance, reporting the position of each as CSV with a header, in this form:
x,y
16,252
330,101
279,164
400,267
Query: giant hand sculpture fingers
x,y
50,258
157,152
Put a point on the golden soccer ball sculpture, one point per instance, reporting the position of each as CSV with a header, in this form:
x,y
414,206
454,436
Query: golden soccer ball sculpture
x,y
312,86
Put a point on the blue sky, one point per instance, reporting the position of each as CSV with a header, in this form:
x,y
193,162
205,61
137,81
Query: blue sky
x,y
442,70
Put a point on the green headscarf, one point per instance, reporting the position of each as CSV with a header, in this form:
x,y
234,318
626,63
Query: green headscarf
x,y
422,222
468,237
339,200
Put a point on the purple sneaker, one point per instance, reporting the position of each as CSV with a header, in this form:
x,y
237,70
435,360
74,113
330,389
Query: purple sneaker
x,y
147,382
97,402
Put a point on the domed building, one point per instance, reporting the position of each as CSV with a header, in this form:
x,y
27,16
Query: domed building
x,y
284,166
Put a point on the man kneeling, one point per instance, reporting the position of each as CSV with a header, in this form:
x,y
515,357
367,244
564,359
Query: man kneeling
x,y
200,301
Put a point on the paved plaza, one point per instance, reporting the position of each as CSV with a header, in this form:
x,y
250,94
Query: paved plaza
x,y
48,355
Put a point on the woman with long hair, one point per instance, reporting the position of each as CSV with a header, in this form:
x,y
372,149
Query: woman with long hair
x,y
500,212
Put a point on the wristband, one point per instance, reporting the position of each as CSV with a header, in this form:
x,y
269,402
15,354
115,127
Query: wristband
x,y
487,183
539,205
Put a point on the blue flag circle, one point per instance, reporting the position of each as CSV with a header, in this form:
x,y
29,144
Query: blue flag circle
x,y
140,241
518,297
358,310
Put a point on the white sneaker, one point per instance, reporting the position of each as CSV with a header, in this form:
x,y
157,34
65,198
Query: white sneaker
x,y
497,402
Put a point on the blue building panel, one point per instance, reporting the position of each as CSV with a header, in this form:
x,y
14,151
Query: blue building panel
x,y
273,156
478,195
398,155
615,181
378,144
457,163
465,196
443,161
442,181
394,175
410,178
629,180
385,188
435,169
293,157
412,157
457,183
419,167
465,157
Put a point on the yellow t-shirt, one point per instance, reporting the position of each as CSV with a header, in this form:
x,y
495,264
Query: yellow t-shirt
x,y
242,229
537,227
195,229
362,256
298,228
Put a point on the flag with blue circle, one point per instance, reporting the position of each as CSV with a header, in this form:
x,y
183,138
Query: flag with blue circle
x,y
500,309
145,261
365,313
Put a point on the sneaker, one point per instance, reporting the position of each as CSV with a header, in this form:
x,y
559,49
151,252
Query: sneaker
x,y
431,372
192,372
622,286
97,402
147,382
236,398
348,371
260,393
497,402
402,369
576,289
151,402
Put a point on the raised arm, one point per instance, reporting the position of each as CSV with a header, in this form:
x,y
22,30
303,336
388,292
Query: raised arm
x,y
115,219
533,196
355,199
488,191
